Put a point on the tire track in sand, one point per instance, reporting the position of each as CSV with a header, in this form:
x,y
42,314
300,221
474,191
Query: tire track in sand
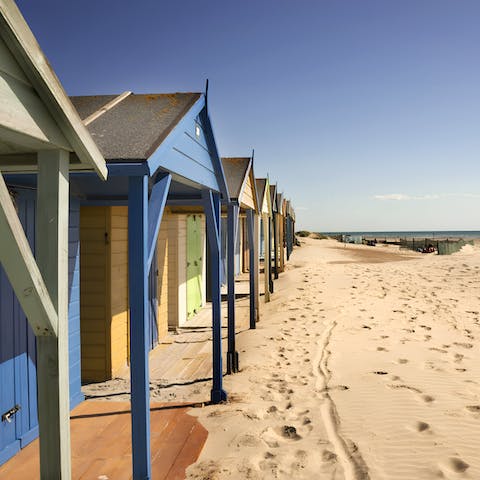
x,y
354,467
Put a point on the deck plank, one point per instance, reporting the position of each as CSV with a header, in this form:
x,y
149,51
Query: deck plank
x,y
101,443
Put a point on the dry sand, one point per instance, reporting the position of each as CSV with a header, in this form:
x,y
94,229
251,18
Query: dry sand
x,y
362,367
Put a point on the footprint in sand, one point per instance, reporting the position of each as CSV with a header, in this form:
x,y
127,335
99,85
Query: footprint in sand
x,y
458,357
463,345
420,427
454,465
473,408
328,456
436,349
427,398
404,387
402,361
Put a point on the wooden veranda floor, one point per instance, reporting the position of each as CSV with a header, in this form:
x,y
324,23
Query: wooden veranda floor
x,y
101,443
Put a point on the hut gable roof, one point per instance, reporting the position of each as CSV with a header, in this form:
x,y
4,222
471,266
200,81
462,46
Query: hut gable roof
x,y
135,127
273,197
236,169
240,181
263,195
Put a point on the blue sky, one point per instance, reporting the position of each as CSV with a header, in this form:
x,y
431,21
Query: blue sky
x,y
365,112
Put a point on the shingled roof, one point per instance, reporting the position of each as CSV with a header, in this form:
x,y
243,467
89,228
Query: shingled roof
x,y
136,126
235,170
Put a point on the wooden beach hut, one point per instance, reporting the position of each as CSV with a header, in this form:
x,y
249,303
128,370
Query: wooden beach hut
x,y
289,228
273,236
160,152
176,284
280,234
265,209
243,203
42,140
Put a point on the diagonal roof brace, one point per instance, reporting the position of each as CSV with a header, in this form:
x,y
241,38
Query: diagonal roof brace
x,y
17,259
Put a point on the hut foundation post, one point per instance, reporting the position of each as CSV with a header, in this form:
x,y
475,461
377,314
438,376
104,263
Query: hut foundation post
x,y
212,213
139,329
252,228
52,351
232,230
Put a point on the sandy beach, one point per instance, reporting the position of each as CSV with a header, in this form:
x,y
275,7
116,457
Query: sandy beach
x,y
363,367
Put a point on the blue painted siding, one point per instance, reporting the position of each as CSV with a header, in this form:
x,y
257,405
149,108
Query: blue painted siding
x,y
76,395
18,354
186,154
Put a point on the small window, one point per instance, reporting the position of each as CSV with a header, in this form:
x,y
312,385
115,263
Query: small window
x,y
197,130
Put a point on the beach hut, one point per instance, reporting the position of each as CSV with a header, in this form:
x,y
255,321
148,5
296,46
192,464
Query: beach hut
x,y
280,234
273,235
265,209
176,284
160,151
289,227
243,202
41,140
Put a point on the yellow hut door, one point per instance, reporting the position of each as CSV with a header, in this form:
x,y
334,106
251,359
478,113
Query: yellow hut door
x,y
194,264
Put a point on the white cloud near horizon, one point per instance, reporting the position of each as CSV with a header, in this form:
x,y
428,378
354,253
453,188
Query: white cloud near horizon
x,y
405,197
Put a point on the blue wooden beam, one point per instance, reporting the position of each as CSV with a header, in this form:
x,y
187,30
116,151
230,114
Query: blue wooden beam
x,y
253,257
156,205
139,332
212,213
232,229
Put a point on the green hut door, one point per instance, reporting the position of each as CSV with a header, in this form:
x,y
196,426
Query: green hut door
x,y
194,264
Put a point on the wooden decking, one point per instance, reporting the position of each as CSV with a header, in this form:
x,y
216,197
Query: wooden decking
x,y
101,430
101,443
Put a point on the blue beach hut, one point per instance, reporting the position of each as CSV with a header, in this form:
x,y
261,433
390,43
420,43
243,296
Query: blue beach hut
x,y
160,151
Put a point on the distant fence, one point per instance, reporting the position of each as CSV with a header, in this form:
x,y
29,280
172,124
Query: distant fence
x,y
443,247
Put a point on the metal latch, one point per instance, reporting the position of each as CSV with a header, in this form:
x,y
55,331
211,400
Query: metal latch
x,y
7,416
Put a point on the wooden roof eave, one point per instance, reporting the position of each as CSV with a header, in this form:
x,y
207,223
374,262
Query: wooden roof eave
x,y
21,41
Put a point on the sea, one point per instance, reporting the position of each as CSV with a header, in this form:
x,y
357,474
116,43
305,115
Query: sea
x,y
440,234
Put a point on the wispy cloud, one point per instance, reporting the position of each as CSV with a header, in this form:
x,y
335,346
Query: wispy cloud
x,y
404,197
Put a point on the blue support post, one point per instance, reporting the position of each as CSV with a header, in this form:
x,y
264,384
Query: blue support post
x,y
139,331
212,213
253,274
232,228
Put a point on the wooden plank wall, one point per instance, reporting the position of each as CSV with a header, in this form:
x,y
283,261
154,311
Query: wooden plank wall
x,y
118,291
177,255
247,197
162,265
94,277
